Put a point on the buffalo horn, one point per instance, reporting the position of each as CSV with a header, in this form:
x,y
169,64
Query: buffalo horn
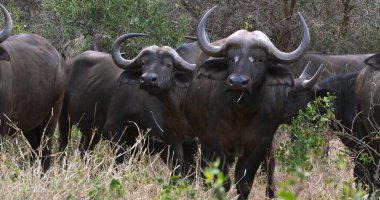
x,y
308,83
4,34
220,51
296,54
204,44
116,55
181,64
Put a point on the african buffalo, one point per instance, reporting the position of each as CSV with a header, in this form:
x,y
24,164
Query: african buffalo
x,y
104,107
368,98
236,99
335,66
33,76
227,116
338,79
91,92
141,71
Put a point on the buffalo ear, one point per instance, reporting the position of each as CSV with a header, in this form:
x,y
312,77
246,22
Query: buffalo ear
x,y
4,54
182,79
373,61
214,68
279,76
129,78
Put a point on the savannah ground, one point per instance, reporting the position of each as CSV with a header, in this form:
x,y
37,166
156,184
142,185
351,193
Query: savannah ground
x,y
144,176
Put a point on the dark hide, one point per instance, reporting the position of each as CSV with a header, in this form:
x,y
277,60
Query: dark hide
x,y
234,126
170,88
339,79
105,104
33,77
342,86
368,98
335,64
189,51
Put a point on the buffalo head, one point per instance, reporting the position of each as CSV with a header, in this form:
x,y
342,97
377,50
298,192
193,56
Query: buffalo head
x,y
246,60
154,68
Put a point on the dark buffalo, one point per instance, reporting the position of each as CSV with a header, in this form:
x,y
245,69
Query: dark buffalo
x,y
103,106
368,98
189,51
240,122
91,92
236,99
339,80
32,84
335,66
175,71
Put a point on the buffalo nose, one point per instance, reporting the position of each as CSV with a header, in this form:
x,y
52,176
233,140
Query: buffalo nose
x,y
149,78
238,80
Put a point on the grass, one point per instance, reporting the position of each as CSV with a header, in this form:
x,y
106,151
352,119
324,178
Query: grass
x,y
144,176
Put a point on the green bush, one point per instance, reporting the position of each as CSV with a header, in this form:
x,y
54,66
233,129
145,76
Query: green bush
x,y
101,22
309,143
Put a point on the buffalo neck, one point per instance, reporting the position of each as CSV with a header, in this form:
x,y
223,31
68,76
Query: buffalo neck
x,y
246,103
344,103
173,100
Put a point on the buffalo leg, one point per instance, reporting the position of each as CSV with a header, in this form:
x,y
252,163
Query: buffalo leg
x,y
246,168
269,167
34,139
211,153
88,141
47,131
190,148
64,128
119,145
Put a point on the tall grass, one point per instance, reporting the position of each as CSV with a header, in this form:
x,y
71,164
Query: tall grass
x,y
144,176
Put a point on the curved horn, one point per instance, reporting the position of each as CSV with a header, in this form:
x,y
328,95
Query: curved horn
x,y
305,71
309,83
4,34
181,64
289,57
190,37
116,55
203,42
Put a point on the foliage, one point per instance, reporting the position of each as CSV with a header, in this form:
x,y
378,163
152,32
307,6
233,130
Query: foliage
x,y
353,193
298,178
18,24
176,188
215,179
297,156
101,22
308,143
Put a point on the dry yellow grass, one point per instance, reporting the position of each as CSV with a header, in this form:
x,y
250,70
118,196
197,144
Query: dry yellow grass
x,y
138,177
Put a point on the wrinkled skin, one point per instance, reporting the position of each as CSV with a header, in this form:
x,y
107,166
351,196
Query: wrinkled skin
x,y
105,107
368,98
32,87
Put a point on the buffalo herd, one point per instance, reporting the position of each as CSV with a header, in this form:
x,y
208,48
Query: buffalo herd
x,y
226,98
